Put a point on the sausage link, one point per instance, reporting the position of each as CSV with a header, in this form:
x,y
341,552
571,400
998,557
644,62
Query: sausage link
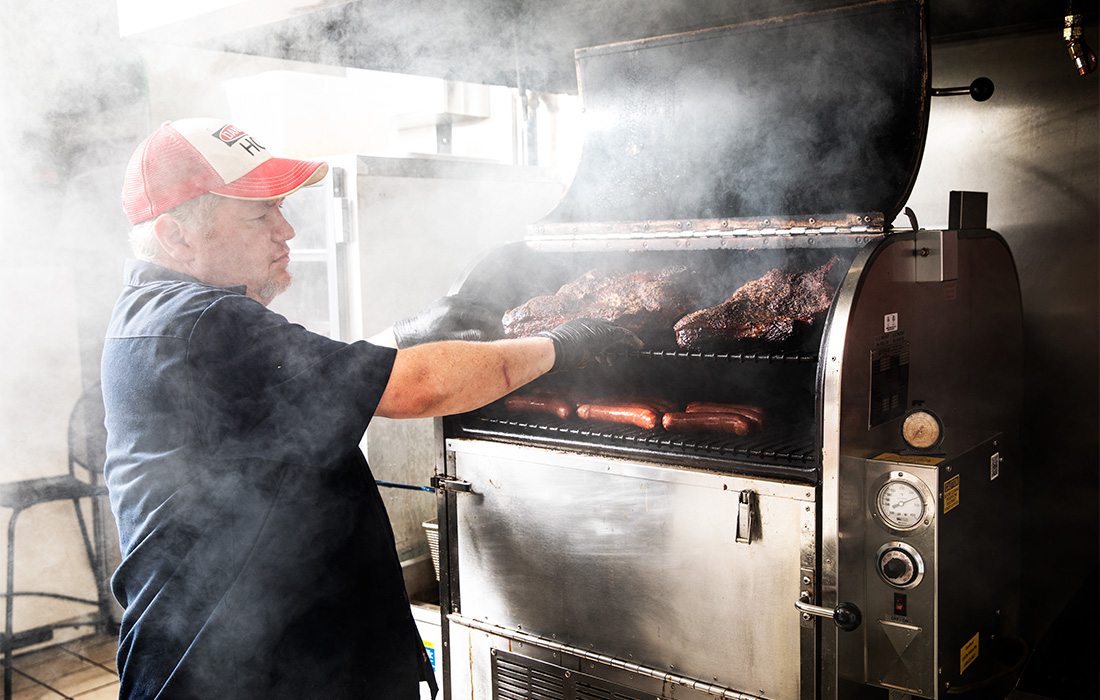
x,y
539,404
632,414
753,413
695,422
657,405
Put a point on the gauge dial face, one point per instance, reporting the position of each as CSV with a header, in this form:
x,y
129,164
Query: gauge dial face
x,y
921,430
900,504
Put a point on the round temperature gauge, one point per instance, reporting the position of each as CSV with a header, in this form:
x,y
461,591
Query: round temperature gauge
x,y
900,505
922,429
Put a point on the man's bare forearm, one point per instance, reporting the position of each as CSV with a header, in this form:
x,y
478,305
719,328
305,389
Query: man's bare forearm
x,y
439,379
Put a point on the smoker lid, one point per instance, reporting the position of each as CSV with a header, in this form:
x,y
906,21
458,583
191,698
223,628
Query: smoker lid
x,y
816,112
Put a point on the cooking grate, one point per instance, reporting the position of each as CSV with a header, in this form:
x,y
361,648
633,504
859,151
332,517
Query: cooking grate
x,y
786,452
766,357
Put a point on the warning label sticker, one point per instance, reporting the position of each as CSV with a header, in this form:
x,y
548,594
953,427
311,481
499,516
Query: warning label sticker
x,y
968,653
950,494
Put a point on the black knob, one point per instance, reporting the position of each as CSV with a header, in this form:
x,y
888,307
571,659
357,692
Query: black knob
x,y
847,616
981,89
895,568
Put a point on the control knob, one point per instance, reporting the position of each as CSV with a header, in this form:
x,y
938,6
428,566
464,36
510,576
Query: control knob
x,y
900,565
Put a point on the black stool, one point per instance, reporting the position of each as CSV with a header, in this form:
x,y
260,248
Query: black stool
x,y
87,448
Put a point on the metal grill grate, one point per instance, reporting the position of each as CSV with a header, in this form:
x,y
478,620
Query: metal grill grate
x,y
772,452
764,357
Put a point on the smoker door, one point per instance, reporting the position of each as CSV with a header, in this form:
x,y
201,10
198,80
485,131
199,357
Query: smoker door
x,y
674,573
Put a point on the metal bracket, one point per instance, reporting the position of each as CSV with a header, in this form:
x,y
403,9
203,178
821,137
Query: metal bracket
x,y
936,256
446,483
746,503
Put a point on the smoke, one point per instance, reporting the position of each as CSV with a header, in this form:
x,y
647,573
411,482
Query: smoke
x,y
78,98
815,115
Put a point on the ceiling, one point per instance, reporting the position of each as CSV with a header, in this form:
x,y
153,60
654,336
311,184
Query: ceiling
x,y
509,42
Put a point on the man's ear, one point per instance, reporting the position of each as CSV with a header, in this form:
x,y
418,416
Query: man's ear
x,y
173,238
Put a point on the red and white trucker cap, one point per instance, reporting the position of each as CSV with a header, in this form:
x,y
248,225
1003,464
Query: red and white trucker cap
x,y
187,158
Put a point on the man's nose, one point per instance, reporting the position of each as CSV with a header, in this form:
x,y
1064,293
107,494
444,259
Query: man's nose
x,y
283,231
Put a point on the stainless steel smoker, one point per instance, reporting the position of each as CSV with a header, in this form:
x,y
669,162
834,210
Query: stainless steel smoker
x,y
865,542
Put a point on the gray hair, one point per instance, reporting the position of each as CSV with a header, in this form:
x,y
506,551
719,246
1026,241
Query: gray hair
x,y
195,213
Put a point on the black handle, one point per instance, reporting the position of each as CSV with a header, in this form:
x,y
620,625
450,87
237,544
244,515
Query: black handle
x,y
980,89
847,616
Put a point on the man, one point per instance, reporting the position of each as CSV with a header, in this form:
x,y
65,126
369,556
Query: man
x,y
258,560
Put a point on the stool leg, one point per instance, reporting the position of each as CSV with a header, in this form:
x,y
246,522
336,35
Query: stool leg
x,y
9,606
93,563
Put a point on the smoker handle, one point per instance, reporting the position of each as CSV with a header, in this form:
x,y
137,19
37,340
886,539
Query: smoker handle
x,y
846,615
980,89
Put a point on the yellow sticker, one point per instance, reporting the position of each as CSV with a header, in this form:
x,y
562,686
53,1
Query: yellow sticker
x,y
968,653
910,459
950,494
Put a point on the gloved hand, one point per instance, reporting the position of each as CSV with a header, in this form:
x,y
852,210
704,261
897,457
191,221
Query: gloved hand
x,y
583,340
449,318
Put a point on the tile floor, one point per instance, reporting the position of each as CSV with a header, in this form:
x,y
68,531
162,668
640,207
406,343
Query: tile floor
x,y
83,669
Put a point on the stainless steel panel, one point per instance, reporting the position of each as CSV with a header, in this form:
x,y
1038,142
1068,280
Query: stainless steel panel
x,y
964,351
936,256
476,644
636,561
891,651
937,631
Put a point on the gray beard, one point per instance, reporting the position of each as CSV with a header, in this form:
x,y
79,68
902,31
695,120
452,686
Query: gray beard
x,y
271,289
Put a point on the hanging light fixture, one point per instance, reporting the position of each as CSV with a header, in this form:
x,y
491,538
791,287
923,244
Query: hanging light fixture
x,y
1084,60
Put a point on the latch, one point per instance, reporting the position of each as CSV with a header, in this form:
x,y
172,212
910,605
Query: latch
x,y
452,484
746,504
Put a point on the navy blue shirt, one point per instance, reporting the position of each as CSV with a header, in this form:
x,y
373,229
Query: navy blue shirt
x,y
257,557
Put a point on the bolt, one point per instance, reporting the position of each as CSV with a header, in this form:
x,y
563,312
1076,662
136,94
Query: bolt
x,y
805,616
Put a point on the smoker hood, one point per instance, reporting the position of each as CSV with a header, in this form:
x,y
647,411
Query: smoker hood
x,y
812,113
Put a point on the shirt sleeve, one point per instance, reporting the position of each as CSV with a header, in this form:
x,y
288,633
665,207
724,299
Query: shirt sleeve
x,y
269,389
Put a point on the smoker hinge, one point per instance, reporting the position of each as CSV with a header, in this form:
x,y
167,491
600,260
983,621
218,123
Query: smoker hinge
x,y
746,504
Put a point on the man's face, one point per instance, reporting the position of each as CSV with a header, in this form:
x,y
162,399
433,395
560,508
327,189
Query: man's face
x,y
245,243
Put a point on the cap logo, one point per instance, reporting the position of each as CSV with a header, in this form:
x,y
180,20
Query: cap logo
x,y
230,135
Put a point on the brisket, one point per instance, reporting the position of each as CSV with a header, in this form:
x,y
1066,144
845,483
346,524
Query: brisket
x,y
646,301
768,308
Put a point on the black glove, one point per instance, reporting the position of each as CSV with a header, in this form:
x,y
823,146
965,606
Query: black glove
x,y
583,340
449,318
